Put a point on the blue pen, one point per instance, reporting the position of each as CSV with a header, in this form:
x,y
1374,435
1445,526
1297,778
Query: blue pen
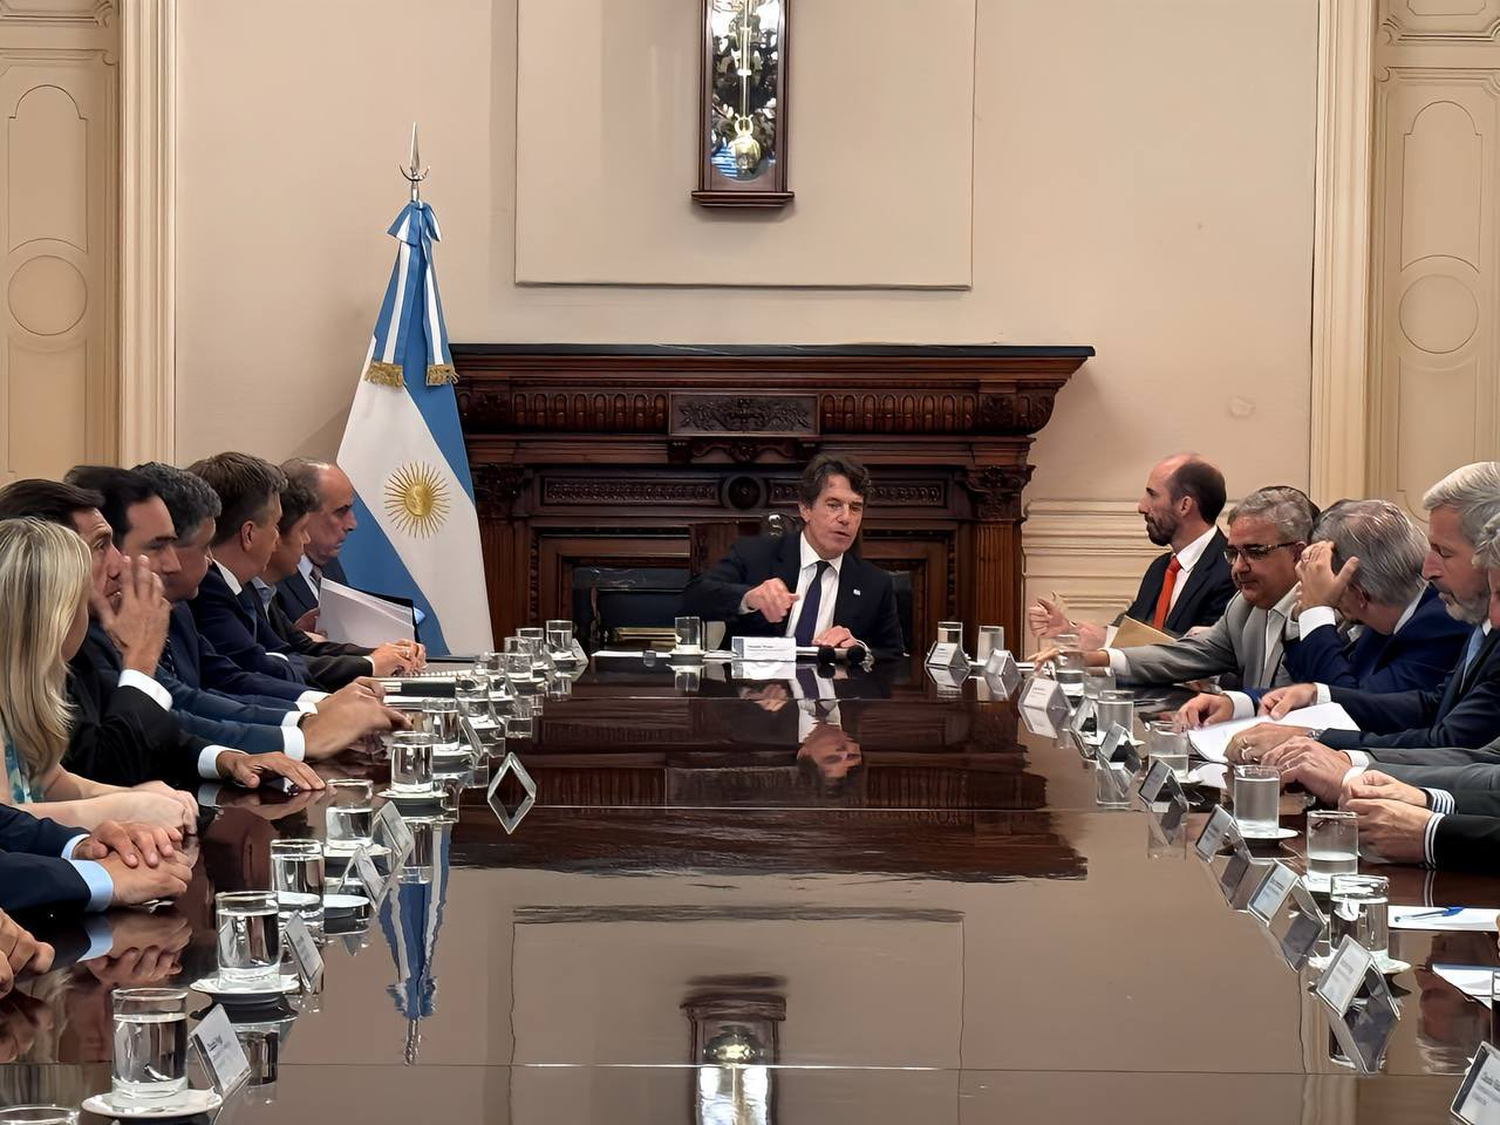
x,y
1446,912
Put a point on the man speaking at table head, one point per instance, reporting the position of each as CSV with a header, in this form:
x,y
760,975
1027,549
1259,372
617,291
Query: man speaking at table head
x,y
812,587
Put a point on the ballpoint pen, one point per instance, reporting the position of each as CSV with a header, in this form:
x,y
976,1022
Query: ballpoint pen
x,y
1446,912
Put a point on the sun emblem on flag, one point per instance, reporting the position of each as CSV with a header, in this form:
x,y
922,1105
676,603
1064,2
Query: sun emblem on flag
x,y
416,499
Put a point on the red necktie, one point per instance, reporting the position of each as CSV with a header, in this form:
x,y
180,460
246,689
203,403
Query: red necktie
x,y
1164,601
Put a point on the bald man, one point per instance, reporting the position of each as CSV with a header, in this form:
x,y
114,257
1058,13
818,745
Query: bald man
x,y
1186,587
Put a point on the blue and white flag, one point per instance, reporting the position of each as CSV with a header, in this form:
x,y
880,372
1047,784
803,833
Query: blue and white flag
x,y
418,530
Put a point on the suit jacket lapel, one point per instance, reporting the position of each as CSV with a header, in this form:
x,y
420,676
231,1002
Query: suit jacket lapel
x,y
789,560
846,605
1481,658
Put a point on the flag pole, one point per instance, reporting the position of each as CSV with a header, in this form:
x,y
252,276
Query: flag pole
x,y
414,173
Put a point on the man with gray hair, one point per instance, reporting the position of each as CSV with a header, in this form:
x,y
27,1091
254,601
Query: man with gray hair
x,y
1462,714
1267,533
328,525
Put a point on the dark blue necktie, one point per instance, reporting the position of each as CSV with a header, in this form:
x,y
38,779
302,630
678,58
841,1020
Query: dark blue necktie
x,y
807,623
168,662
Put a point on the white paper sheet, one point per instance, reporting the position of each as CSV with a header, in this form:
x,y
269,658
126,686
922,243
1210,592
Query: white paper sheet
x,y
1211,742
1471,980
1468,918
352,616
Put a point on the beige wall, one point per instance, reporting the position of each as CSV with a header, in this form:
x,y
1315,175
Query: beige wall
x,y
1142,182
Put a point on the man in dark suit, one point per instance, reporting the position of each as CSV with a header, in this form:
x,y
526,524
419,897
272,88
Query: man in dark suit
x,y
1187,587
813,586
122,730
1463,563
329,523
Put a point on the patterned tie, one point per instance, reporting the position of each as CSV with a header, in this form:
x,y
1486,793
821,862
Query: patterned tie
x,y
807,623
167,661
1164,599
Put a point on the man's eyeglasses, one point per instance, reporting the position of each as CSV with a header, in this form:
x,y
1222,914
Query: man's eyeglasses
x,y
1254,552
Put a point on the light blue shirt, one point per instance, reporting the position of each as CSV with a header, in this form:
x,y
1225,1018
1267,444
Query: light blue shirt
x,y
96,878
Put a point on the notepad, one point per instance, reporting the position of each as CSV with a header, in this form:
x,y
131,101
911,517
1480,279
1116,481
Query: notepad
x,y
1468,919
1212,742
352,616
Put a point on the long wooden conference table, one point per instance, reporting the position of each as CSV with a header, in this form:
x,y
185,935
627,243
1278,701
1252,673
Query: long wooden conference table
x,y
895,904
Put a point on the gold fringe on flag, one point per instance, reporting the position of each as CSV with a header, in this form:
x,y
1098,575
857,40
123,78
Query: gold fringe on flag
x,y
386,374
440,373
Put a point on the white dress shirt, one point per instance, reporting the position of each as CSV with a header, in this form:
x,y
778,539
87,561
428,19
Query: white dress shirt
x,y
1187,559
829,595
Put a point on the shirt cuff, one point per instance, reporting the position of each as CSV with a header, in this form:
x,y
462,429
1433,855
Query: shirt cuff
x,y
1117,663
744,609
101,938
1359,758
293,744
1324,695
1429,839
1439,800
208,762
1351,774
101,886
294,718
145,684
208,794
1316,617
370,660
1244,706
309,700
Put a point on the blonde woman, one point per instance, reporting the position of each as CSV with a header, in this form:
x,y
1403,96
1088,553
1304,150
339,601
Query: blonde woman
x,y
44,588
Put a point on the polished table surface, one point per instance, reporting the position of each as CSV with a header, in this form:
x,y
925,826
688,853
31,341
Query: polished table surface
x,y
912,901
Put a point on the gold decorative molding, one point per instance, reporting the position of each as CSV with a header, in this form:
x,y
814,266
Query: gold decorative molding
x,y
1341,250
148,247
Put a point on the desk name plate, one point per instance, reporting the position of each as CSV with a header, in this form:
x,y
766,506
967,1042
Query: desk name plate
x,y
1272,893
1001,673
220,1050
949,655
305,953
1239,874
778,649
1119,747
1155,780
1220,826
1305,929
1046,697
1341,981
398,835
362,870
1478,1098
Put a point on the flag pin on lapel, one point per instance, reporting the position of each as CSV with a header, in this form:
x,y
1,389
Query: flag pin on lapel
x,y
856,592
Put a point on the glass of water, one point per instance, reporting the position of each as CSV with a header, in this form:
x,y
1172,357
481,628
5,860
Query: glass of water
x,y
1096,680
150,1042
1332,846
533,641
521,722
1257,800
38,1115
471,694
1111,787
440,719
249,939
1115,706
991,639
689,636
350,815
560,642
1359,908
297,878
951,633
518,671
1167,741
1070,663
411,763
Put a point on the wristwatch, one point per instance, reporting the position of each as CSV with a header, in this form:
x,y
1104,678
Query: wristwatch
x,y
1315,734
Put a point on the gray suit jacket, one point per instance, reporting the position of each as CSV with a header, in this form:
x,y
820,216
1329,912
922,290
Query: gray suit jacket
x,y
1387,759
1474,775
1234,648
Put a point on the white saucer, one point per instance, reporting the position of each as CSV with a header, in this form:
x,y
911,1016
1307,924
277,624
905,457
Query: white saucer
x,y
344,904
189,1103
342,850
222,990
1279,834
433,794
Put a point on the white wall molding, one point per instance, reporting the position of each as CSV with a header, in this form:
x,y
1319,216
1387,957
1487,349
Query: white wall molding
x,y
147,245
1341,253
1092,552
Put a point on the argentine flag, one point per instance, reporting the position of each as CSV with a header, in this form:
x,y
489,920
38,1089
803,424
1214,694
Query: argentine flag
x,y
418,532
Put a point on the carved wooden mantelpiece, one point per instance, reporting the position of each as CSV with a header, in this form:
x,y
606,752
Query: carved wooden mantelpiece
x,y
596,455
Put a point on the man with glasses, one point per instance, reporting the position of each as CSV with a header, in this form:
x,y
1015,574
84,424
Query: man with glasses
x,y
1267,533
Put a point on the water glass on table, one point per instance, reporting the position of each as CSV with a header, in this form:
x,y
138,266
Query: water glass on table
x,y
249,937
297,875
560,642
1096,680
38,1115
1070,663
991,638
1115,706
1332,846
150,1042
350,816
1167,741
440,719
689,636
1257,800
1360,909
411,763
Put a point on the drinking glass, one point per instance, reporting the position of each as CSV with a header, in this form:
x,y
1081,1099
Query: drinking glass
x,y
490,663
350,815
1257,800
472,695
1071,665
535,648
1115,706
38,1115
1096,680
411,763
991,639
560,642
687,680
150,1041
1112,787
440,718
950,633
1332,846
1359,908
249,938
1167,741
518,670
689,636
297,878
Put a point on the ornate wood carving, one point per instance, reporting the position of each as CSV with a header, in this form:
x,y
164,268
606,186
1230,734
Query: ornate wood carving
x,y
690,444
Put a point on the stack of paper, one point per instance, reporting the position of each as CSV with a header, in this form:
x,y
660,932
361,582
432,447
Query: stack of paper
x,y
352,616
1212,742
1436,918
